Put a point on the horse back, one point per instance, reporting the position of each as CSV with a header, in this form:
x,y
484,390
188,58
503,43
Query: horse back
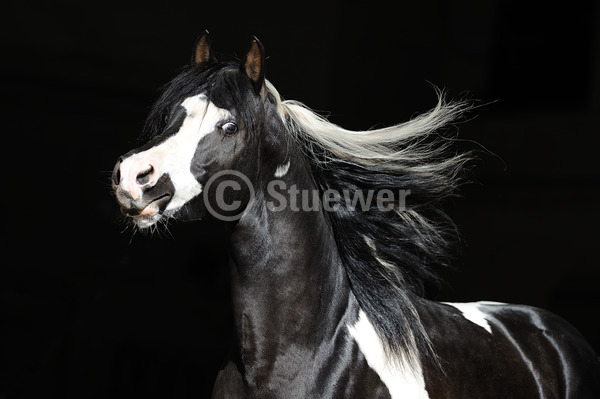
x,y
492,350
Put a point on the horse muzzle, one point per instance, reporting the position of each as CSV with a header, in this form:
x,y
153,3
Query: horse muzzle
x,y
141,194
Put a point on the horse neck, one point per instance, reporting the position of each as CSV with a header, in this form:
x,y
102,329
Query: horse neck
x,y
290,288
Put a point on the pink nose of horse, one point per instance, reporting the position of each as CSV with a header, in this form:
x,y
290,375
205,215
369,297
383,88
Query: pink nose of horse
x,y
132,179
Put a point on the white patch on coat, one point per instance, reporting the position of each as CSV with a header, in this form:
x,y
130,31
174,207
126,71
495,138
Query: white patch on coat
x,y
174,155
472,312
402,379
282,170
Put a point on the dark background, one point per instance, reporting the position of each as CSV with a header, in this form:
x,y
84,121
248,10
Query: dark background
x,y
92,310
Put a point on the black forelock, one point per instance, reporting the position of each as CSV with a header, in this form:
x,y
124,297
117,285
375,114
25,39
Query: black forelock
x,y
192,80
232,90
223,83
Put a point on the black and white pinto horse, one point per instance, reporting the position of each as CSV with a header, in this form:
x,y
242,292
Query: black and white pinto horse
x,y
328,294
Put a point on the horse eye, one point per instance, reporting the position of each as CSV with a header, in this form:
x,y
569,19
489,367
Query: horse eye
x,y
229,128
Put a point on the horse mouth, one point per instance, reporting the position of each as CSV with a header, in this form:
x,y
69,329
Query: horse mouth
x,y
148,214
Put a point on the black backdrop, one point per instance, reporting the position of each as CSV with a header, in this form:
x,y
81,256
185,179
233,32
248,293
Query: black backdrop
x,y
91,310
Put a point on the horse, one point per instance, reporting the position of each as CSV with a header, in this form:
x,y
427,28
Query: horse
x,y
334,237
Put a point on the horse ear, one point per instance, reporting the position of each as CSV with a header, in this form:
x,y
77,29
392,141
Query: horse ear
x,y
202,51
255,65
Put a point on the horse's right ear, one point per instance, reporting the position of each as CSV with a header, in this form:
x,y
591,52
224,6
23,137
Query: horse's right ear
x,y
202,52
255,66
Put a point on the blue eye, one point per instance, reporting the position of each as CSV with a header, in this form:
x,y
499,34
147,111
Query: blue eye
x,y
229,128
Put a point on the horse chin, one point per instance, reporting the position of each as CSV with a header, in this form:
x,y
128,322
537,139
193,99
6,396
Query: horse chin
x,y
186,213
148,217
144,222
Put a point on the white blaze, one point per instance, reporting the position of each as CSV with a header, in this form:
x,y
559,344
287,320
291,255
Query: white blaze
x,y
174,155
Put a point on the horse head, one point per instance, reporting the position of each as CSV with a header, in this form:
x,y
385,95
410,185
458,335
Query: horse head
x,y
206,121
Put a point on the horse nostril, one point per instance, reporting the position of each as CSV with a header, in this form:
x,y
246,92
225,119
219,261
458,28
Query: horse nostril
x,y
144,176
116,175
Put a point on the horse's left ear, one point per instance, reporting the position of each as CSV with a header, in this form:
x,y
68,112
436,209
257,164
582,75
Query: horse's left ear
x,y
202,51
255,65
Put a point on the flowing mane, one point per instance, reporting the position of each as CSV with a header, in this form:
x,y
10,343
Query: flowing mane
x,y
390,257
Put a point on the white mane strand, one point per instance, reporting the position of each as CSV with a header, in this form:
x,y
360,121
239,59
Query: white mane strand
x,y
395,147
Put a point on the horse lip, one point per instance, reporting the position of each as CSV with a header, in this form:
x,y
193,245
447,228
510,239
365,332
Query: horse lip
x,y
162,201
153,206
